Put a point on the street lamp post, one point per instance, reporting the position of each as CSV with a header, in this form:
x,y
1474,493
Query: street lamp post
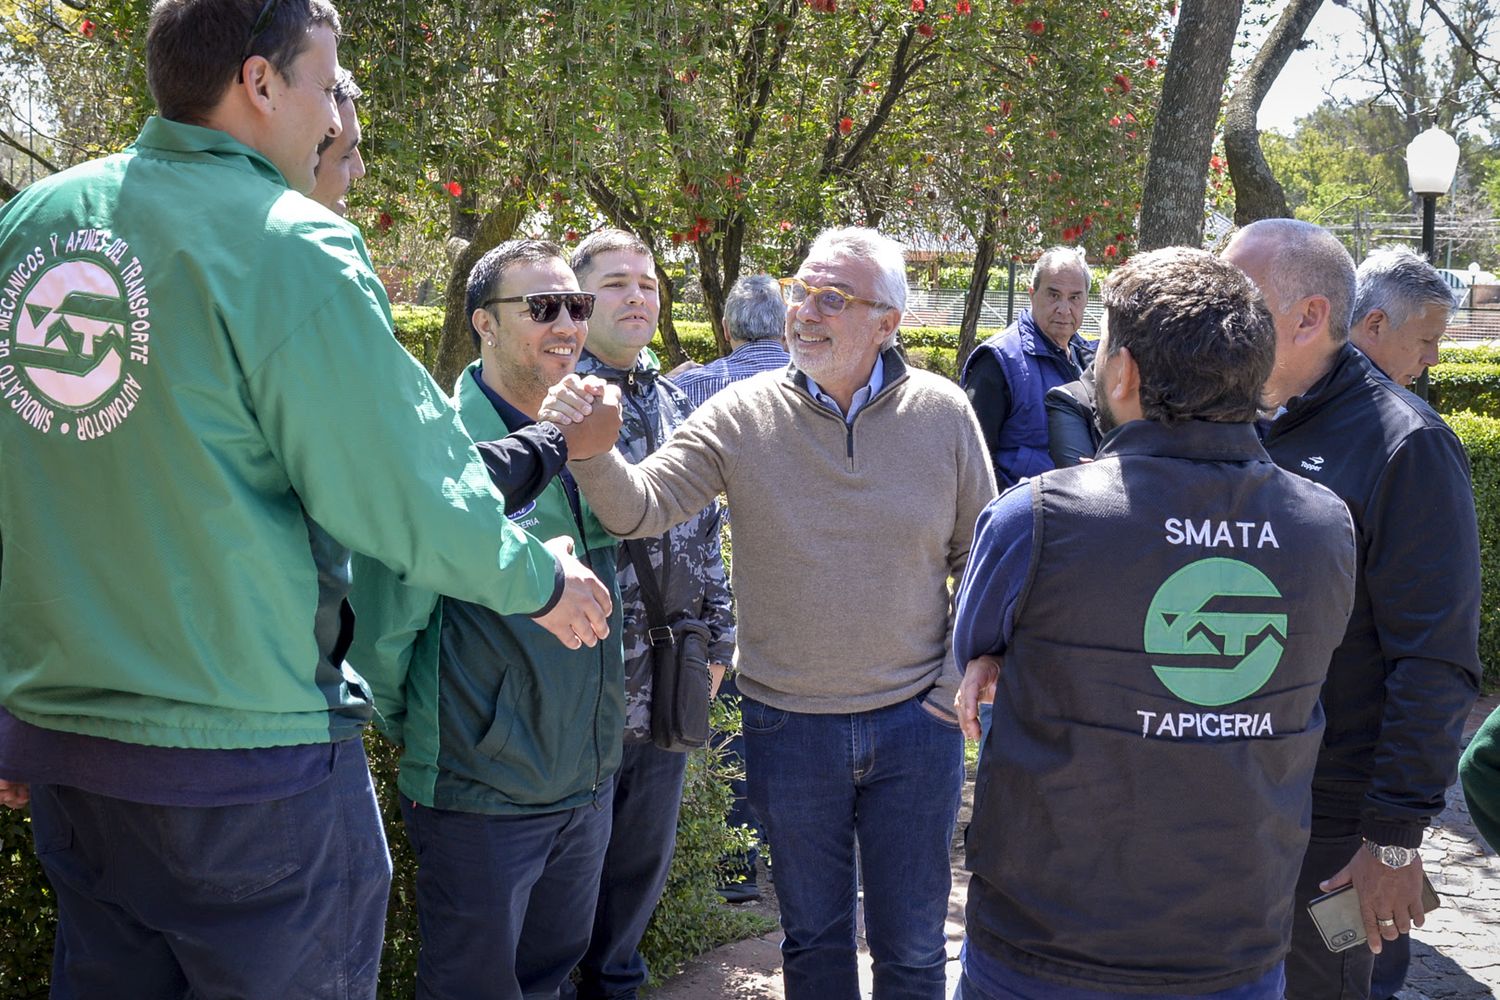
x,y
1431,161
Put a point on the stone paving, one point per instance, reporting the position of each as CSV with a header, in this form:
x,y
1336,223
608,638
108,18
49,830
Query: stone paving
x,y
1456,956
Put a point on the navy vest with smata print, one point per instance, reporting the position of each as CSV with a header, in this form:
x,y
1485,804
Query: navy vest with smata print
x,y
1142,805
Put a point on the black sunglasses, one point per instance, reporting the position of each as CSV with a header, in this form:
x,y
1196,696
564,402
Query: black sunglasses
x,y
545,306
267,15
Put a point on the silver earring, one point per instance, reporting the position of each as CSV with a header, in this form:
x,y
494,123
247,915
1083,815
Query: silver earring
x,y
490,342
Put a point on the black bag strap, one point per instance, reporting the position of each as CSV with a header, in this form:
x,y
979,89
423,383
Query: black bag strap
x,y
656,613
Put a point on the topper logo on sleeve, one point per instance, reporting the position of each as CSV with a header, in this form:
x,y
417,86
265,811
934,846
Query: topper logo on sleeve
x,y
75,331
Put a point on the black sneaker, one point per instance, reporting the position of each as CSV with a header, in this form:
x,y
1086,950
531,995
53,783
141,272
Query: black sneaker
x,y
740,892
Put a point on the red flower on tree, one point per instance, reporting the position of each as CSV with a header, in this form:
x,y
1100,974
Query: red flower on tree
x,y
925,30
1111,251
1037,27
1150,62
918,5
86,28
1104,13
962,8
785,225
1115,121
989,130
385,222
846,125
1123,81
454,188
571,236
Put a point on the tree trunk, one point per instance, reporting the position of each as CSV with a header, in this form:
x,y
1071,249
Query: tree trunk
x,y
664,325
456,346
979,279
711,280
1183,135
1257,195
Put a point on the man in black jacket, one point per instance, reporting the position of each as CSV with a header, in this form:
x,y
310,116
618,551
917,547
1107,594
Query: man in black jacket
x,y
1156,753
1403,680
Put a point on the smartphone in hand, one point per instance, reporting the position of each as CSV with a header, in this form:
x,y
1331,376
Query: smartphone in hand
x,y
1337,916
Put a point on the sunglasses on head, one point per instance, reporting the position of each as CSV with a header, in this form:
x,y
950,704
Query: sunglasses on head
x,y
545,306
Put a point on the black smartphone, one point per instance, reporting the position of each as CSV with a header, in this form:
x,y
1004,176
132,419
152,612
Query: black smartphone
x,y
1337,917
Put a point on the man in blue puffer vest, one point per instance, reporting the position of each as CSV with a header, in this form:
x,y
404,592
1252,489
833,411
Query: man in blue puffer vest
x,y
1008,375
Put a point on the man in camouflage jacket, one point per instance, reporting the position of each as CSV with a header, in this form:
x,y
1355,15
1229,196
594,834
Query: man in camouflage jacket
x,y
619,270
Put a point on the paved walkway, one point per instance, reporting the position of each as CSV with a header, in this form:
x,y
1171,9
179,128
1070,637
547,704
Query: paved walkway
x,y
1456,956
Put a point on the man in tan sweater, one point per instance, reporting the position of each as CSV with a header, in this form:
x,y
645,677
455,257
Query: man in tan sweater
x,y
855,484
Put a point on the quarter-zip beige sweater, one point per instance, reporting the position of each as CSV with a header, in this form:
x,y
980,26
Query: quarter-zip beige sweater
x,y
845,535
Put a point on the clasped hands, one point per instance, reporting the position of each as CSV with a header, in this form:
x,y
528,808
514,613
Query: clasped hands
x,y
587,411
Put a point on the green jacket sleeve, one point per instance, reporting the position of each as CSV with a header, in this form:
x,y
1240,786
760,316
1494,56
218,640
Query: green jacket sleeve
x,y
377,455
1480,773
390,621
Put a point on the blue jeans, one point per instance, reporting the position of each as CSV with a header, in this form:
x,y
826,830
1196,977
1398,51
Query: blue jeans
x,y
271,900
648,794
889,779
504,903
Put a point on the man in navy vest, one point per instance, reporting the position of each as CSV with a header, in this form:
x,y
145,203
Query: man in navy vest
x,y
1142,801
1406,675
1008,375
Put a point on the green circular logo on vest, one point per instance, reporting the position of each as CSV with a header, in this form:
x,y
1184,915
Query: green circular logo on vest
x,y
1247,645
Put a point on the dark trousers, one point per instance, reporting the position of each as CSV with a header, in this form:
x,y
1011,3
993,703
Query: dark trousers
x,y
648,793
1391,966
279,900
504,903
1312,971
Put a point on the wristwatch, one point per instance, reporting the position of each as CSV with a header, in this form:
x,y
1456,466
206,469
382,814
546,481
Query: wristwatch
x,y
1391,857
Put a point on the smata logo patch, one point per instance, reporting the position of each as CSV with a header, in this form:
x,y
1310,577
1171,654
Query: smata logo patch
x,y
75,332
1247,645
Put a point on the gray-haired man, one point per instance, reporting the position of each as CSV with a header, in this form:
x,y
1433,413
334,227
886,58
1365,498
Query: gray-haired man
x,y
755,319
843,599
1401,308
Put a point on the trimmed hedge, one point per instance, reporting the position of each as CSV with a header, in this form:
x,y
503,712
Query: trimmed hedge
x,y
1465,387
1480,434
419,329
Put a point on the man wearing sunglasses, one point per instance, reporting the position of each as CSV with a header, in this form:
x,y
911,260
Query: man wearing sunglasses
x,y
688,572
204,362
855,484
510,741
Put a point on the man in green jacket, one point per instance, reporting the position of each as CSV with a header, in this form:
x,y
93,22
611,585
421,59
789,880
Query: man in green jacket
x,y
196,361
1480,773
510,742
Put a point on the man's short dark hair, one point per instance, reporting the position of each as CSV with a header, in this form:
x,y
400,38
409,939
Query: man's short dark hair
x,y
484,279
345,91
195,48
754,310
604,241
1199,331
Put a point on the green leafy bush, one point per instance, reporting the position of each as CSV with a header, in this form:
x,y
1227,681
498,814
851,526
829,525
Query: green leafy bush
x,y
1468,354
28,912
419,328
1472,386
1480,434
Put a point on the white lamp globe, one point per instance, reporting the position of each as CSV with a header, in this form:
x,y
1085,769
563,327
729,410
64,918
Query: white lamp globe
x,y
1431,160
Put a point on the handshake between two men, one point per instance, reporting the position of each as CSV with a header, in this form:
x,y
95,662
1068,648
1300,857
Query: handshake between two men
x,y
587,412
